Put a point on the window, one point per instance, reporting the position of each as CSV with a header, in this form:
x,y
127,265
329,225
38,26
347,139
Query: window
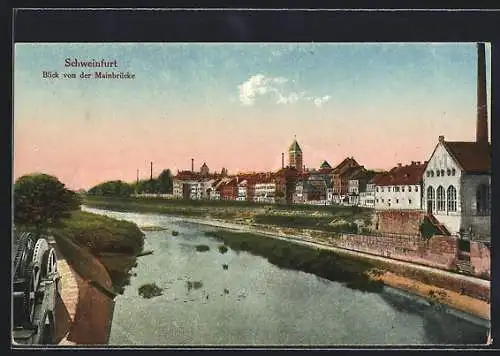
x,y
376,200
382,189
437,172
448,171
377,189
440,199
409,188
442,172
453,171
428,173
403,188
431,203
451,196
409,201
382,200
483,204
432,173
397,201
416,188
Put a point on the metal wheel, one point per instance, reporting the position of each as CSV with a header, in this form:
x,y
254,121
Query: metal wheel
x,y
51,264
32,284
27,254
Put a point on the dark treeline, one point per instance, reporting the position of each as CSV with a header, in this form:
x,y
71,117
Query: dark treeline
x,y
163,184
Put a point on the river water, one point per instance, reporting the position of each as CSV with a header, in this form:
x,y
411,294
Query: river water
x,y
253,302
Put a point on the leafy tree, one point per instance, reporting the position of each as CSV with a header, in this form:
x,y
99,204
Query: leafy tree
x,y
165,182
41,201
114,188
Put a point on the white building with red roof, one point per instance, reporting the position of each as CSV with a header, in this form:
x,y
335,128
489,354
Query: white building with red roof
x,y
457,180
400,188
457,184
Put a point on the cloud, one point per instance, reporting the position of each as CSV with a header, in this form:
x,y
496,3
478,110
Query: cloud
x,y
257,85
290,98
262,85
320,101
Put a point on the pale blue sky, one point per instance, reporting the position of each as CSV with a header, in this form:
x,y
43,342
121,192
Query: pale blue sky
x,y
340,99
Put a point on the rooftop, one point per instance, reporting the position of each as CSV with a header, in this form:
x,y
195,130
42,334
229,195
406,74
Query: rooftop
x,y
402,175
473,157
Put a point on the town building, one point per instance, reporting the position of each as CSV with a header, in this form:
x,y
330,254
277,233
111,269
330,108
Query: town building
x,y
400,188
457,180
265,192
357,186
341,175
295,158
242,190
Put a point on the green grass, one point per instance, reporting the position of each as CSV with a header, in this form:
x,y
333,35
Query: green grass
x,y
115,243
335,267
292,216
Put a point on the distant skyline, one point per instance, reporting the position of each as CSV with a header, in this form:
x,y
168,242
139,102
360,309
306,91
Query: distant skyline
x,y
238,106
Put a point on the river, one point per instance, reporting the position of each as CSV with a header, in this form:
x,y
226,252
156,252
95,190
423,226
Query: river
x,y
253,302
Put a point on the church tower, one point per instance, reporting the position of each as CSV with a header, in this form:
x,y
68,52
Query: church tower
x,y
295,156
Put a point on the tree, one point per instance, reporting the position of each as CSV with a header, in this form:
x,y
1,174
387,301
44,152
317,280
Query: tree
x,y
41,201
114,188
165,183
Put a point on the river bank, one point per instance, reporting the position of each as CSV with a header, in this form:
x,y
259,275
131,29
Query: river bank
x,y
382,273
408,277
96,254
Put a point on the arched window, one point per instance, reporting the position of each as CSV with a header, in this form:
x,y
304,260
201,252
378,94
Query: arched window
x,y
451,195
431,202
483,203
440,199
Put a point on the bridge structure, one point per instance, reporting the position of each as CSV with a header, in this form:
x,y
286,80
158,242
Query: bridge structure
x,y
36,284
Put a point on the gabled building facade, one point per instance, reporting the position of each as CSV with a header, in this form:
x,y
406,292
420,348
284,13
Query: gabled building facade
x,y
457,183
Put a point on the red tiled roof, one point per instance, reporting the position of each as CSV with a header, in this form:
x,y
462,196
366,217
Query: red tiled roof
x,y
404,175
473,157
344,164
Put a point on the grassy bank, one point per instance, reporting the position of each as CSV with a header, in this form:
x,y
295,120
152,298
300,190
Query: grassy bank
x,y
115,243
362,274
332,219
335,267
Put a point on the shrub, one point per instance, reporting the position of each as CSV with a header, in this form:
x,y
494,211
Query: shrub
x,y
149,290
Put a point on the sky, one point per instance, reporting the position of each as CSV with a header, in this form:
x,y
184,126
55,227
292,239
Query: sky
x,y
237,106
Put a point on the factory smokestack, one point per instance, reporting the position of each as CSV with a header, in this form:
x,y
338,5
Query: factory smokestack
x,y
282,160
151,177
192,164
482,109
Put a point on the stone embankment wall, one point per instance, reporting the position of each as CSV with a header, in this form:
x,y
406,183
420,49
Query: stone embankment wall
x,y
398,221
86,313
399,238
439,251
480,258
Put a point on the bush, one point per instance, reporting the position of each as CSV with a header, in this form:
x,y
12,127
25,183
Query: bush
x,y
223,249
150,290
202,248
427,229
42,201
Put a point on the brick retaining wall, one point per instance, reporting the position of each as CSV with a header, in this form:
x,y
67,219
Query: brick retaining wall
x,y
439,251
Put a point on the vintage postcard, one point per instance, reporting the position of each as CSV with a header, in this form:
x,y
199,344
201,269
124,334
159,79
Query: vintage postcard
x,y
251,194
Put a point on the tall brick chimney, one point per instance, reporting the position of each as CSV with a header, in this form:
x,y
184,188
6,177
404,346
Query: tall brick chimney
x,y
192,164
482,109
